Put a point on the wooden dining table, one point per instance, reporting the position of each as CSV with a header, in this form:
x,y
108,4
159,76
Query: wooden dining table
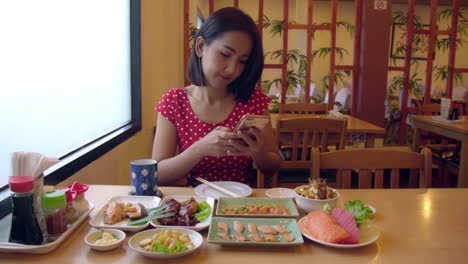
x,y
454,130
417,226
357,130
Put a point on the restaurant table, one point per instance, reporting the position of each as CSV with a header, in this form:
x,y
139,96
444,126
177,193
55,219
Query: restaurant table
x,y
356,129
417,226
454,130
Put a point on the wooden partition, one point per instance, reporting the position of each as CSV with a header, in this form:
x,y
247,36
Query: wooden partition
x,y
432,34
310,27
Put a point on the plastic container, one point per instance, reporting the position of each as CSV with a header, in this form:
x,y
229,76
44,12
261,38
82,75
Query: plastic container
x,y
54,206
79,202
71,211
24,226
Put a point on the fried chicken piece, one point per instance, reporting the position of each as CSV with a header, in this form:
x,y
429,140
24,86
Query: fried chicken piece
x,y
114,213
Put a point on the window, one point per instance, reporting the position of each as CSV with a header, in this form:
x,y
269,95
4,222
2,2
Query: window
x,y
69,81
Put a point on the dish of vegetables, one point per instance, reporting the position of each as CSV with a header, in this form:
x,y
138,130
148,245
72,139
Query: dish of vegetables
x,y
165,243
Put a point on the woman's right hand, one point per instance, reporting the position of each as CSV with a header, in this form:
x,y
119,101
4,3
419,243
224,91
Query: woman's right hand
x,y
216,143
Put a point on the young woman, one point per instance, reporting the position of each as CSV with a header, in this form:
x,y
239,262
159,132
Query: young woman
x,y
194,132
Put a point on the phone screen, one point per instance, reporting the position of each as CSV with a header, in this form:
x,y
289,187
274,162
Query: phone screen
x,y
248,121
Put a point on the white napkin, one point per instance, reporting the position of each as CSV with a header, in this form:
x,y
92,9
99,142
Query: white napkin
x,y
336,114
445,104
30,163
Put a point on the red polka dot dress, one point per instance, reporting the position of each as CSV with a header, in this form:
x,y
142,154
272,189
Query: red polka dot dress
x,y
175,106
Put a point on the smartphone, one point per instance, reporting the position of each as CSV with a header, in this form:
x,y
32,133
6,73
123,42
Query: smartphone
x,y
248,121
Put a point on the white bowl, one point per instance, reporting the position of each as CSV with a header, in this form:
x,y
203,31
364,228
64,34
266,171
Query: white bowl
x,y
91,238
308,205
280,193
134,241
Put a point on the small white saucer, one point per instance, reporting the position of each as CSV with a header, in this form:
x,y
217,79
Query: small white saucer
x,y
280,193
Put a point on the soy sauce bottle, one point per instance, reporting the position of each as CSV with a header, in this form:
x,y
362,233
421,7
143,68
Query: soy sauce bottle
x,y
24,226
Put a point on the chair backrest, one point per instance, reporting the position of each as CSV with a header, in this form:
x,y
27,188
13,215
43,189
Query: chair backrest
x,y
300,135
302,108
376,160
434,109
429,109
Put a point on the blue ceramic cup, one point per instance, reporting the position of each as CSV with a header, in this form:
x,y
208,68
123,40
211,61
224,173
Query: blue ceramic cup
x,y
144,176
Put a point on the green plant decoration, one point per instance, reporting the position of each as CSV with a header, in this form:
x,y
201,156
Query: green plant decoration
x,y
297,61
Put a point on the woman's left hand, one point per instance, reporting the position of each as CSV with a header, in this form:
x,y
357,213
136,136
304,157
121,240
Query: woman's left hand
x,y
251,142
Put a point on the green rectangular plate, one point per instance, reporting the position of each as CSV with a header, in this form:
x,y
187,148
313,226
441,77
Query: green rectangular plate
x,y
289,223
223,202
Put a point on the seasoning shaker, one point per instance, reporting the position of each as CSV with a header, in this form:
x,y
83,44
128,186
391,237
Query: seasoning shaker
x,y
24,226
54,206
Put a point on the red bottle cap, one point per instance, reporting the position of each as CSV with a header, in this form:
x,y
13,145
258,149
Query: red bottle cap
x,y
21,184
78,187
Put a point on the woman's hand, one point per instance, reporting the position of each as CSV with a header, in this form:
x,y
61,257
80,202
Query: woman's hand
x,y
250,142
216,143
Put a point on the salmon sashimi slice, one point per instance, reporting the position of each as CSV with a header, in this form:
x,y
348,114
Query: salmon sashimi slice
x,y
287,237
238,227
323,227
267,229
224,236
223,226
240,237
270,238
252,228
256,237
281,229
346,221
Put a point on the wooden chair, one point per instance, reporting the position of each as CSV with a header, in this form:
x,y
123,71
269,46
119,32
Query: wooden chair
x,y
298,136
302,108
439,145
376,160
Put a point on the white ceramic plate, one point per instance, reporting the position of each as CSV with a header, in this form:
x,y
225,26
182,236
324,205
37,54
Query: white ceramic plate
x,y
181,198
147,201
368,237
134,241
280,193
237,187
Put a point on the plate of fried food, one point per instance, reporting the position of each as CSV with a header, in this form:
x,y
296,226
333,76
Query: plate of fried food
x,y
128,213
190,212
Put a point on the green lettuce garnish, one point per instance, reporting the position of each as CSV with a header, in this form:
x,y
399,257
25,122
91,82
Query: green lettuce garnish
x,y
158,246
361,212
203,212
327,208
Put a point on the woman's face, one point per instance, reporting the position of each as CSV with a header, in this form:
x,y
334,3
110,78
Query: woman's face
x,y
225,58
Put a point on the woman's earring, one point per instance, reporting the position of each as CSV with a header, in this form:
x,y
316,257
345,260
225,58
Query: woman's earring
x,y
201,72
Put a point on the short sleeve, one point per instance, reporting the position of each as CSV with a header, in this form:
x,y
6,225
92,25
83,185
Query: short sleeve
x,y
260,101
167,105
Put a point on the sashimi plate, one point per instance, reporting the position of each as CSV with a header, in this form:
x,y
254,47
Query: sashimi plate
x,y
367,236
243,207
289,223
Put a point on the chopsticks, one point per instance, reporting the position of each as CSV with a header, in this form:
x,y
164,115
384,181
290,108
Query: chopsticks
x,y
217,187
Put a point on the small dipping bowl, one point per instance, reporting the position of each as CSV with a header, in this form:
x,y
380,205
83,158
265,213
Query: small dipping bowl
x,y
91,238
280,193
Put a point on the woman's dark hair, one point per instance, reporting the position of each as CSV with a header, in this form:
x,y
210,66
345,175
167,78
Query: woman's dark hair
x,y
221,21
